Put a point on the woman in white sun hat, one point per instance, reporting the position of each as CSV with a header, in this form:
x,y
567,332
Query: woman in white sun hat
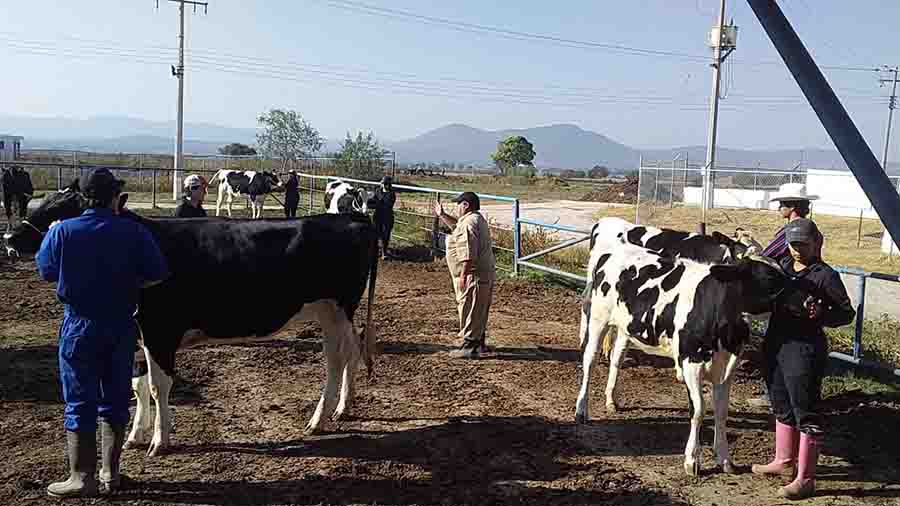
x,y
793,203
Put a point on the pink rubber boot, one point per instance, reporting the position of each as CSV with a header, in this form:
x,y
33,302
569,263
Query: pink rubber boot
x,y
786,441
804,485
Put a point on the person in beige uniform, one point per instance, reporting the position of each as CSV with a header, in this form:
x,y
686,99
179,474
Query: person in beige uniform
x,y
470,257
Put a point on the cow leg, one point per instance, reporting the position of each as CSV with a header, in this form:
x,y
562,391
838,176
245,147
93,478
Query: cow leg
x,y
620,346
220,197
597,331
693,378
721,393
351,343
332,346
160,386
141,426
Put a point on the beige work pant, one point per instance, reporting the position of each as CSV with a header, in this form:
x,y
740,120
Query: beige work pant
x,y
473,306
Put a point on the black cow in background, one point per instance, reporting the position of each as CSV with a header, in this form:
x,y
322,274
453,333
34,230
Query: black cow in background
x,y
17,192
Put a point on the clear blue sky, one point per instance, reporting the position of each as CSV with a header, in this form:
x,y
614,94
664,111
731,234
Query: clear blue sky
x,y
643,101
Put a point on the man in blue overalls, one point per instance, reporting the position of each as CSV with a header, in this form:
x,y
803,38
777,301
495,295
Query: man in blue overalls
x,y
99,261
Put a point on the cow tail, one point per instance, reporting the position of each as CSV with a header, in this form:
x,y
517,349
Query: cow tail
x,y
370,350
215,177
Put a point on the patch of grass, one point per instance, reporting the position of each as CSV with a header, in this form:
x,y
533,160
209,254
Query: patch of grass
x,y
833,386
880,339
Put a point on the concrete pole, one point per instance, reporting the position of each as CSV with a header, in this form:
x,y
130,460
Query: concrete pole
x,y
708,199
179,133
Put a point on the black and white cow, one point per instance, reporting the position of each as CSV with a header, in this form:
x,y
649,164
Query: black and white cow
x,y
342,198
676,308
324,263
713,249
254,185
15,184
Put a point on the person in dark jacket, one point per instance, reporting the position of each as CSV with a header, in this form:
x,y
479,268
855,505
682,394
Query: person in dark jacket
x,y
796,351
291,195
384,199
191,205
793,204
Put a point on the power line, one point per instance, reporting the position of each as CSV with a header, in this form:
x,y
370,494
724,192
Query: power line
x,y
503,32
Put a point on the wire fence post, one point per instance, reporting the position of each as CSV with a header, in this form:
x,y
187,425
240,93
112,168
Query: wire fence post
x,y
154,187
517,238
860,317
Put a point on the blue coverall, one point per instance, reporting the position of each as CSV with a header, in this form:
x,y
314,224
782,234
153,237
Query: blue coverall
x,y
99,261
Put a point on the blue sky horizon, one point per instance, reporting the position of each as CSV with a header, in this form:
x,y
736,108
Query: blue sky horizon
x,y
637,72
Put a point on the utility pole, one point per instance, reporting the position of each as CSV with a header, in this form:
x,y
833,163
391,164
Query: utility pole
x,y
178,72
891,105
719,39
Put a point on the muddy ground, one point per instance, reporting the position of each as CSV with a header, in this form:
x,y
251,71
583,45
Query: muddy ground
x,y
430,430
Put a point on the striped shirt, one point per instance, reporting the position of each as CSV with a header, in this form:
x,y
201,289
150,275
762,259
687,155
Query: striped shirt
x,y
778,248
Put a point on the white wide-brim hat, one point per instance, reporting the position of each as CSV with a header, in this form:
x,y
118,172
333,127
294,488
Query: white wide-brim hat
x,y
792,191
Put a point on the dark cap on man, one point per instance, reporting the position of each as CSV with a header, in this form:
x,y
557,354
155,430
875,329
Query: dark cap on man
x,y
471,198
100,184
801,230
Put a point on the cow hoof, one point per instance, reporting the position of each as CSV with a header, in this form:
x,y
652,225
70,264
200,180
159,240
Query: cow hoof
x,y
611,409
156,450
580,418
337,415
728,468
692,468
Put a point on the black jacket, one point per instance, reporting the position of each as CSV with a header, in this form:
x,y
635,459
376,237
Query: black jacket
x,y
186,210
384,203
790,318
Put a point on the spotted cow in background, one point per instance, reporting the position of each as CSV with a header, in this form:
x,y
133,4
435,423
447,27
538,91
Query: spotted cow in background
x,y
342,198
254,185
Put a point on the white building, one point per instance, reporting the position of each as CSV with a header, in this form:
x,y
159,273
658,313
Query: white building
x,y
10,145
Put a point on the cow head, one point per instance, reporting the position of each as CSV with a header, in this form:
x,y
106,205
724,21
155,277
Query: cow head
x,y
26,237
271,180
734,250
343,198
761,280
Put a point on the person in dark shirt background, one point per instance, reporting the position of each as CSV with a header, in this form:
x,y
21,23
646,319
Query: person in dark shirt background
x,y
191,205
796,350
291,195
384,199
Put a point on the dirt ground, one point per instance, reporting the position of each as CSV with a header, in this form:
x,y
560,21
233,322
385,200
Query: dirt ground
x,y
498,430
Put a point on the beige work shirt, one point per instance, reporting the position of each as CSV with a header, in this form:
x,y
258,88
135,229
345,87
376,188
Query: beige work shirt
x,y
471,240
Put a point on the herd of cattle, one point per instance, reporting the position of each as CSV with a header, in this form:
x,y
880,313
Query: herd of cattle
x,y
670,293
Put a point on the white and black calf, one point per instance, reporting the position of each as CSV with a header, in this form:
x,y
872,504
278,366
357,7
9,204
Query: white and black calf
x,y
324,261
342,198
254,185
676,308
713,249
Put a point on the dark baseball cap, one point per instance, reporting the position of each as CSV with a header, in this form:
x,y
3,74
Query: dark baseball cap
x,y
100,183
469,197
801,230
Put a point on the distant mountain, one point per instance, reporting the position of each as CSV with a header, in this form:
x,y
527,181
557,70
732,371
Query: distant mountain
x,y
109,127
556,146
560,146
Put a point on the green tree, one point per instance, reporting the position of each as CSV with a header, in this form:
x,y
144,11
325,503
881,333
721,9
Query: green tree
x,y
362,157
237,149
513,152
286,135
